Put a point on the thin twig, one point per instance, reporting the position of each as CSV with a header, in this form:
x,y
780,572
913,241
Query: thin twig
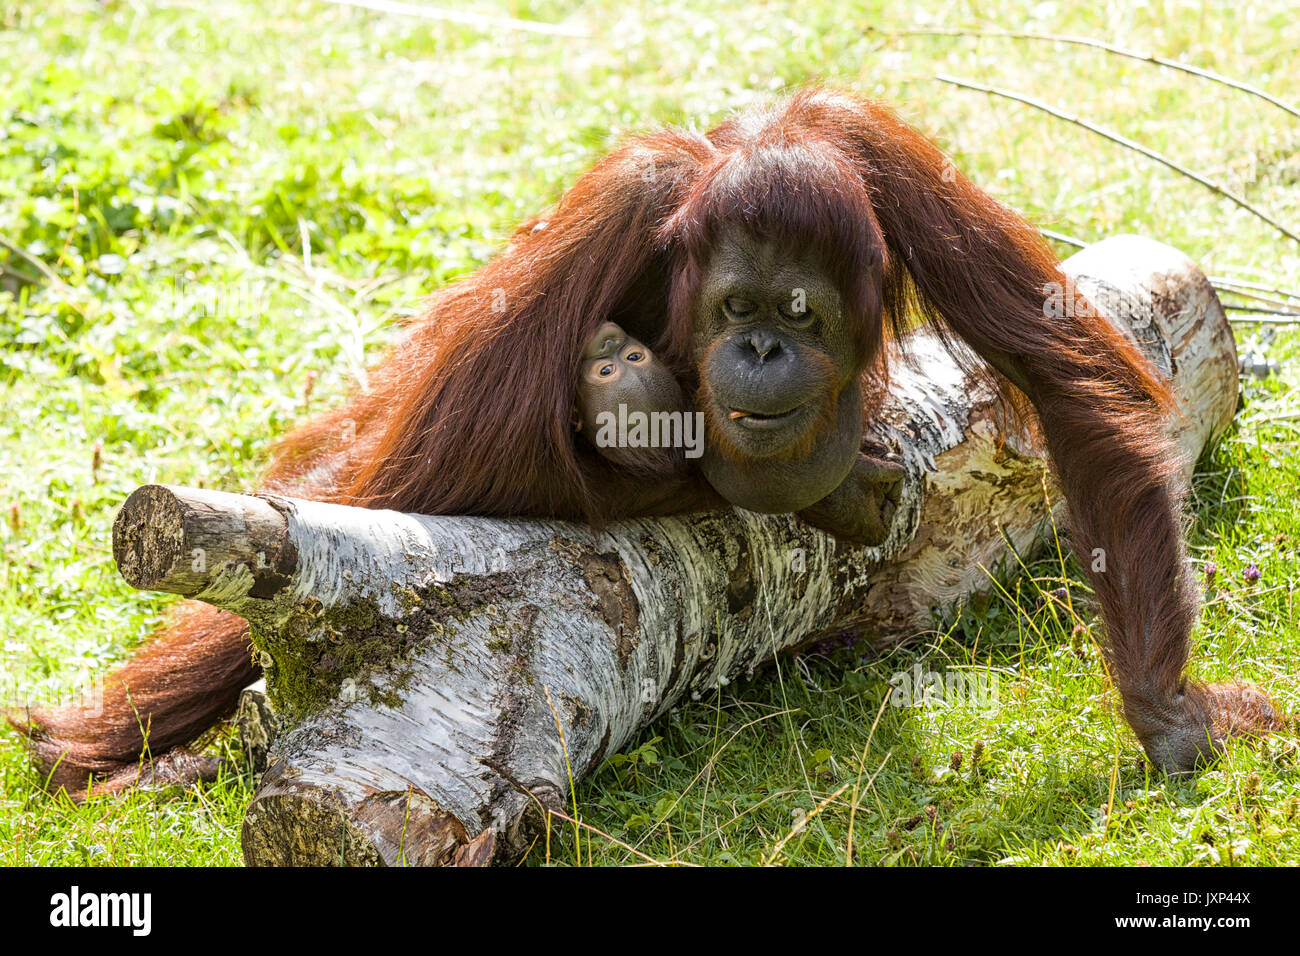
x,y
481,20
1278,305
1265,320
1108,48
1224,285
1259,287
1256,309
1062,237
14,272
35,262
1114,137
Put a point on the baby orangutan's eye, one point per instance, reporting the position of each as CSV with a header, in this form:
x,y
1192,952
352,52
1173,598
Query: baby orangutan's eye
x,y
635,356
606,370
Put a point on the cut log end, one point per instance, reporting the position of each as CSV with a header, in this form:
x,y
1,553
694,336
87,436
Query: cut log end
x,y
294,824
148,536
186,540
303,829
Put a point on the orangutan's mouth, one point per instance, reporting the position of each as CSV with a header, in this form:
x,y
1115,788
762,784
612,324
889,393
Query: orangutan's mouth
x,y
750,419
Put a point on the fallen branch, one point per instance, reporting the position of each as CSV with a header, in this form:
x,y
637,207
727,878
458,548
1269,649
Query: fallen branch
x,y
1127,143
1102,45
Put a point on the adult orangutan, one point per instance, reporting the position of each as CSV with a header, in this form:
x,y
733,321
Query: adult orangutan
x,y
763,262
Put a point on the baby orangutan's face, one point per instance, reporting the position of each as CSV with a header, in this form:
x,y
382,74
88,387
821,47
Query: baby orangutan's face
x,y
617,370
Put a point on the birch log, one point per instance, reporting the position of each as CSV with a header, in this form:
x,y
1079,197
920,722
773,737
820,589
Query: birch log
x,y
425,666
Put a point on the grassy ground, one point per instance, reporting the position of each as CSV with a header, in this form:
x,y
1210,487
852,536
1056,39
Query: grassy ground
x,y
225,204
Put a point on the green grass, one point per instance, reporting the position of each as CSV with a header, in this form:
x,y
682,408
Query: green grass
x,y
230,202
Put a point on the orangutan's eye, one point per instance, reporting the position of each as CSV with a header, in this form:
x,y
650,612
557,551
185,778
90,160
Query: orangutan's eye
x,y
800,318
740,308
